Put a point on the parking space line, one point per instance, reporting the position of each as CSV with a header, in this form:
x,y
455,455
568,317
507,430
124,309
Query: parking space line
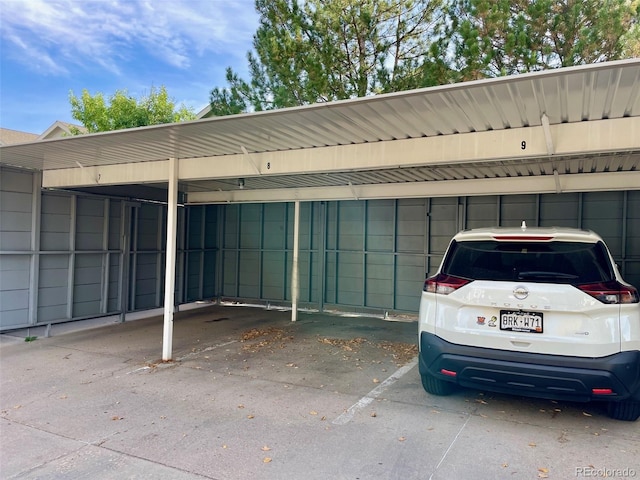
x,y
208,349
455,439
373,394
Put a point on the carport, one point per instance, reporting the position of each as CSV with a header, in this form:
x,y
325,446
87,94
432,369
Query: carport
x,y
560,131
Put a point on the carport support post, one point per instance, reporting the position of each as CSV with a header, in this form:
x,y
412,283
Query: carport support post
x,y
170,269
294,272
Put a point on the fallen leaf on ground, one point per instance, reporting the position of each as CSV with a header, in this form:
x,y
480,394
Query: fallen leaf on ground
x,y
352,345
250,417
266,459
265,449
401,439
532,444
375,380
400,351
269,337
313,412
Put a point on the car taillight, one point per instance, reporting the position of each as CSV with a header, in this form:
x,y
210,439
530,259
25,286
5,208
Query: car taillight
x,y
443,284
611,292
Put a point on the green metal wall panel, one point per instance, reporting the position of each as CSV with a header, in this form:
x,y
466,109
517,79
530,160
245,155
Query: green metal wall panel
x,y
560,210
350,278
379,280
53,287
411,225
209,275
230,273
55,222
411,272
273,275
113,292
248,273
14,290
87,289
90,223
443,223
603,213
514,209
481,212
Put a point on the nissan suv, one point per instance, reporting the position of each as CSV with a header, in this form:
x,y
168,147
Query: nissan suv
x,y
539,312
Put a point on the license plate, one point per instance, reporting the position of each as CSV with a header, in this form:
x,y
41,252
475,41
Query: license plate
x,y
521,321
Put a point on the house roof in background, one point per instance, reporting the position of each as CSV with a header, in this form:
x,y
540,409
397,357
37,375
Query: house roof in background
x,y
60,129
10,137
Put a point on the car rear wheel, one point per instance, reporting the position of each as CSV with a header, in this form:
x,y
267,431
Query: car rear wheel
x,y
628,410
435,386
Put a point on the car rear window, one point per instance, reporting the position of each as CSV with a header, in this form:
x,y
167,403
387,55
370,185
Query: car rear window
x,y
555,262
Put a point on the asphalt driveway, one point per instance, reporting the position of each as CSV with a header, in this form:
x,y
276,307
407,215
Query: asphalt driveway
x,y
252,395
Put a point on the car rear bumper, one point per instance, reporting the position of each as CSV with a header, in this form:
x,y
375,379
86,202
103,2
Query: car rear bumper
x,y
554,377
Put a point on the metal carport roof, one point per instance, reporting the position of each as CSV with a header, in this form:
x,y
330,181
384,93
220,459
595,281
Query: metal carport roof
x,y
572,129
550,128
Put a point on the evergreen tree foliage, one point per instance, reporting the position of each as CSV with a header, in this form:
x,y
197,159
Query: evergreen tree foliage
x,y
309,51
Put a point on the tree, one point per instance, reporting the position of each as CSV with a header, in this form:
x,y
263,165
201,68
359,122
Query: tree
x,y
124,111
323,50
504,37
631,39
309,51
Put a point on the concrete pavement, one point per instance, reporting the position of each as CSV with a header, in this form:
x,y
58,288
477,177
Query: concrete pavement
x,y
252,395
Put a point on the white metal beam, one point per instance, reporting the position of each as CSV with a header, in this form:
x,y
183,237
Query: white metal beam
x,y
583,182
34,264
250,160
170,270
546,128
295,283
583,138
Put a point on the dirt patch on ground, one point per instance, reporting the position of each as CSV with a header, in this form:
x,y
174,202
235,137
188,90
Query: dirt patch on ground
x,y
351,345
268,338
401,352
272,338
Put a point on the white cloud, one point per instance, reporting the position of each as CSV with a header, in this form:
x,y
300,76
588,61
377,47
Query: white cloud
x,y
48,35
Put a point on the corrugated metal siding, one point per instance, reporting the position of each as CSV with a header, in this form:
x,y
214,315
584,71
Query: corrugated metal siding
x,y
16,191
606,90
376,253
53,290
354,255
14,290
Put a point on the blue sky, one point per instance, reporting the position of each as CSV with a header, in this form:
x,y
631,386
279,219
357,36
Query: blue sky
x,y
51,47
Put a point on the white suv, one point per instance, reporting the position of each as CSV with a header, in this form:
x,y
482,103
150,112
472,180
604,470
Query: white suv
x,y
540,312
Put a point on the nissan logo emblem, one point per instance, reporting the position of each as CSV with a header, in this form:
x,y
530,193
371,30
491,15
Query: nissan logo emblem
x,y
520,292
